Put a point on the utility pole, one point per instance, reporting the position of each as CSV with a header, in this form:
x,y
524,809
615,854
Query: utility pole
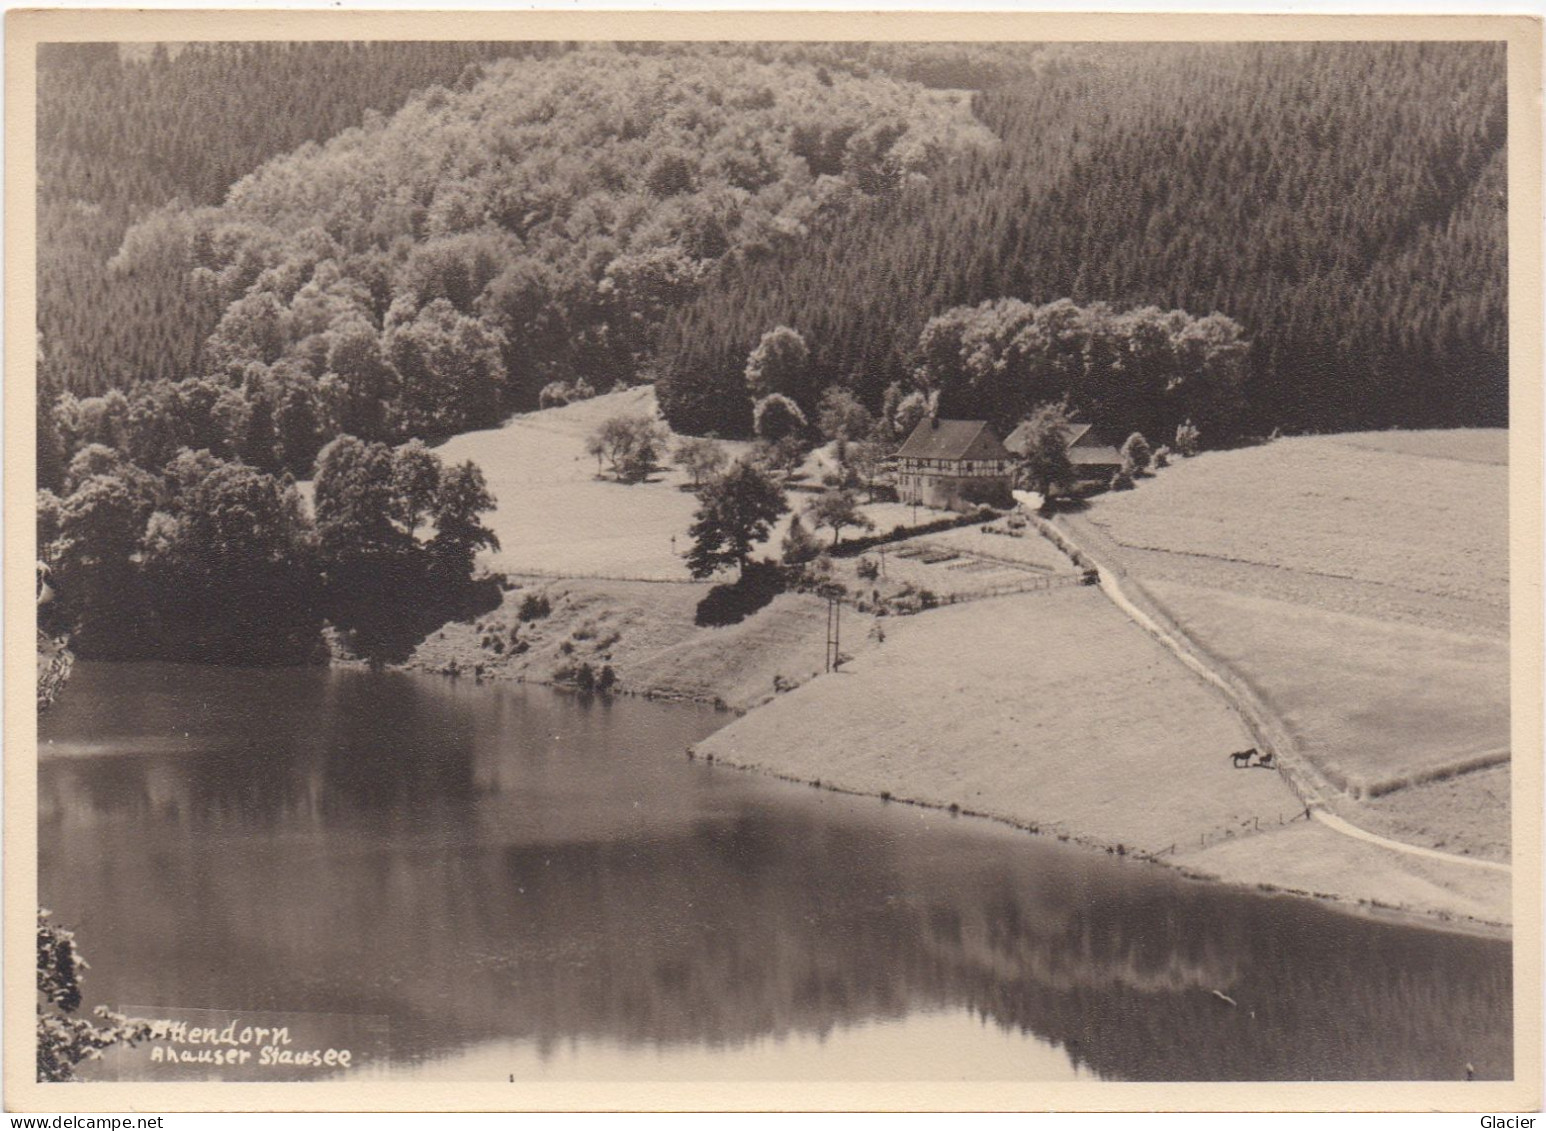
x,y
834,596
837,632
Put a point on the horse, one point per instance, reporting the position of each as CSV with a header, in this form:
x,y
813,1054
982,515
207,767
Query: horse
x,y
1242,758
1266,761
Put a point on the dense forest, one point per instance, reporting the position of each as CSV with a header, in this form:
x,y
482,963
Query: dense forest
x,y
429,273
1343,202
121,133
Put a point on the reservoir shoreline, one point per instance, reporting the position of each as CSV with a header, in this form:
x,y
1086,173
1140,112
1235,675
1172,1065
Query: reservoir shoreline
x,y
1157,787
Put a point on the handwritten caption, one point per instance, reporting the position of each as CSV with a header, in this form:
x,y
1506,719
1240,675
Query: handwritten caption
x,y
210,1044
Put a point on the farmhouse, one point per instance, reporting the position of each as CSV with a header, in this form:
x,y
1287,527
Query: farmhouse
x,y
952,464
1093,455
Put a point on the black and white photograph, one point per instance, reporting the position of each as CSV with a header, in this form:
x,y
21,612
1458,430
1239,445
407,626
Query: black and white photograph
x,y
650,559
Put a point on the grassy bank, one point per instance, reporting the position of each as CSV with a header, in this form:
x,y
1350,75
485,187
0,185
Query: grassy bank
x,y
645,632
1049,710
1055,713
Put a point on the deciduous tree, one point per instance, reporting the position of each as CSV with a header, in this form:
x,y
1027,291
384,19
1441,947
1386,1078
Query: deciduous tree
x,y
460,502
630,445
736,511
778,418
701,458
1044,462
836,510
781,363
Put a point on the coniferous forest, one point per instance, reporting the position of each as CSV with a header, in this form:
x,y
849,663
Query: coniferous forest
x,y
1344,203
251,250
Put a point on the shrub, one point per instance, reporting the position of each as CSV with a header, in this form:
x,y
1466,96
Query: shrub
x,y
927,599
585,677
1188,439
535,606
63,1038
557,393
1136,455
776,417
1122,480
868,569
853,546
607,679
799,545
1161,457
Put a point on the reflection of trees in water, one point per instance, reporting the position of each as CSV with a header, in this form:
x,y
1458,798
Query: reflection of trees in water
x,y
1127,989
412,858
745,929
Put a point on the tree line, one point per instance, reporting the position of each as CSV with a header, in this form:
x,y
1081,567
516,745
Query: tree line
x,y
1143,370
215,560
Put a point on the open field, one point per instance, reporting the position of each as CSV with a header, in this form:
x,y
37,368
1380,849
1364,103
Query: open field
x,y
1469,445
1468,814
1373,704
1359,585
1049,709
556,517
1322,505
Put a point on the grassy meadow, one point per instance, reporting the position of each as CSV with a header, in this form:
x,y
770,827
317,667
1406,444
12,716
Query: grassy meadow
x,y
1383,508
1050,709
1359,584
556,516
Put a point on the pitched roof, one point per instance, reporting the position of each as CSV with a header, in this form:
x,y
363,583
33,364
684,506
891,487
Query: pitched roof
x,y
952,439
1089,446
1093,455
1085,449
1020,439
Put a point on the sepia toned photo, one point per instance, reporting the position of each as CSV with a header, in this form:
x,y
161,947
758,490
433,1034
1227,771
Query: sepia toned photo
x,y
677,560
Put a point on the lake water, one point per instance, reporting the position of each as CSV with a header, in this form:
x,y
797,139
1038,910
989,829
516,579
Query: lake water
x,y
481,883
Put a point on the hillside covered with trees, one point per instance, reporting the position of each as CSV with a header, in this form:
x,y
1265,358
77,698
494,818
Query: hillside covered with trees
x,y
1343,203
581,216
125,129
430,273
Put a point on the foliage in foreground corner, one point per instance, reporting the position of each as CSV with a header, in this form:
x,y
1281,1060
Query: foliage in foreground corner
x,y
65,1040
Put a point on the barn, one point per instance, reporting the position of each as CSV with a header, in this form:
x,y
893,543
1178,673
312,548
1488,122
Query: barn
x,y
952,464
1094,456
